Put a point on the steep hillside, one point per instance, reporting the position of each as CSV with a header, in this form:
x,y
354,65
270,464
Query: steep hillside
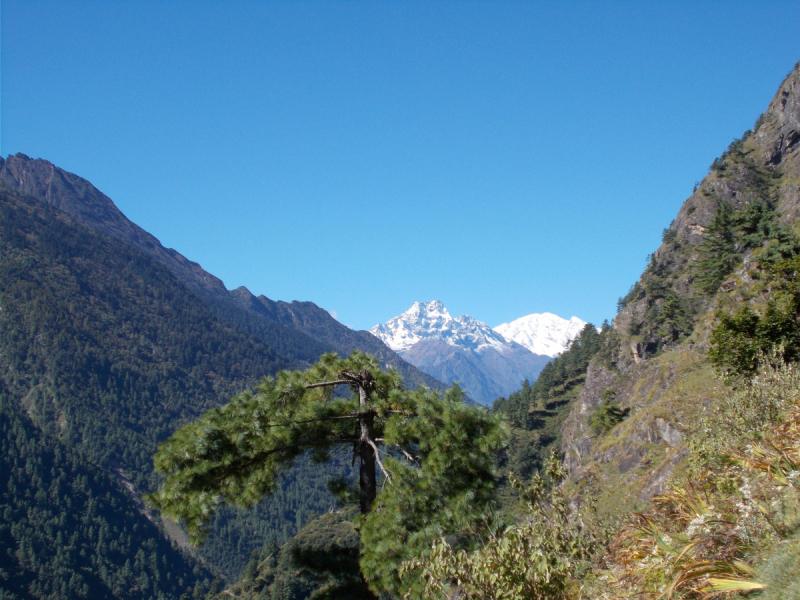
x,y
739,220
301,339
109,353
69,530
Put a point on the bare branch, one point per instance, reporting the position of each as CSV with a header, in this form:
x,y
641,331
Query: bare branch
x,y
328,383
378,460
406,454
313,420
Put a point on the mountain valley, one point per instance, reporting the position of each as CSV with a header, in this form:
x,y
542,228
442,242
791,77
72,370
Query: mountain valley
x,y
673,430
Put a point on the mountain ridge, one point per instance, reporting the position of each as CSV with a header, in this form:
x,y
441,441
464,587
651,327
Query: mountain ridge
x,y
293,339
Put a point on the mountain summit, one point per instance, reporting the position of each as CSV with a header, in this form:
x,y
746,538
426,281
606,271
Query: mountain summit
x,y
460,349
431,320
544,333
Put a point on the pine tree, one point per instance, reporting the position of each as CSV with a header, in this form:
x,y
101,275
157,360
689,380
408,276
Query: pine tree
x,y
435,455
718,251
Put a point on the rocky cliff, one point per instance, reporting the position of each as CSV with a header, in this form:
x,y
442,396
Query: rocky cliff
x,y
656,363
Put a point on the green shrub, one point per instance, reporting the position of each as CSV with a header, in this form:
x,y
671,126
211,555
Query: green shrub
x,y
547,556
607,415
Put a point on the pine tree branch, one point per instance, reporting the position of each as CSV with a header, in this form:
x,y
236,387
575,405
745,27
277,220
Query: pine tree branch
x,y
406,454
217,474
313,420
329,383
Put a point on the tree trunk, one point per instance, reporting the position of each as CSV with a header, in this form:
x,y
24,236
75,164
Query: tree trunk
x,y
366,455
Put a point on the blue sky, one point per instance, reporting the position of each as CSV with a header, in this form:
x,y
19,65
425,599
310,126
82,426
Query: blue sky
x,y
503,157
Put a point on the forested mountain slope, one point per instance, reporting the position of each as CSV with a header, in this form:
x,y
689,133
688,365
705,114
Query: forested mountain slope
x,y
317,323
301,339
69,530
109,353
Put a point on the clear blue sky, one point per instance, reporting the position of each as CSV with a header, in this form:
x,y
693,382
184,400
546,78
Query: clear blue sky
x,y
503,157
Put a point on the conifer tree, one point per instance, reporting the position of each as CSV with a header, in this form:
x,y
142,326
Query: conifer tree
x,y
434,454
718,252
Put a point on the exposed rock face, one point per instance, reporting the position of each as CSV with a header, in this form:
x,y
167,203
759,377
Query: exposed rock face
x,y
577,440
780,134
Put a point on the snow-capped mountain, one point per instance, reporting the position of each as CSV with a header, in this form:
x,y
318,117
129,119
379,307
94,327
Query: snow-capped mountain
x,y
543,333
430,320
461,349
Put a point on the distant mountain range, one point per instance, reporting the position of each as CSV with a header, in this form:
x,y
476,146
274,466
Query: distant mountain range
x,y
487,363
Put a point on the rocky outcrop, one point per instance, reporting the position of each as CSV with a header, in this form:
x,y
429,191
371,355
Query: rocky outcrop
x,y
577,438
645,389
779,133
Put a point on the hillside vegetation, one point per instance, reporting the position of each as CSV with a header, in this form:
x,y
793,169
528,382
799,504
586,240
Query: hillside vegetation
x,y
106,352
69,530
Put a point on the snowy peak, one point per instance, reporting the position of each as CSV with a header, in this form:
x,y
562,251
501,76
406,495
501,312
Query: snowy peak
x,y
431,320
543,333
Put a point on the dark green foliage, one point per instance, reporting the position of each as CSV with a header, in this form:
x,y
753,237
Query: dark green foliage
x,y
68,530
718,251
537,412
446,490
633,294
110,353
320,563
740,341
435,454
672,318
755,226
302,493
607,415
669,234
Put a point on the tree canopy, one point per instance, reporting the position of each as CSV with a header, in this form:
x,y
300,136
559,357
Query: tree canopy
x,y
425,461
